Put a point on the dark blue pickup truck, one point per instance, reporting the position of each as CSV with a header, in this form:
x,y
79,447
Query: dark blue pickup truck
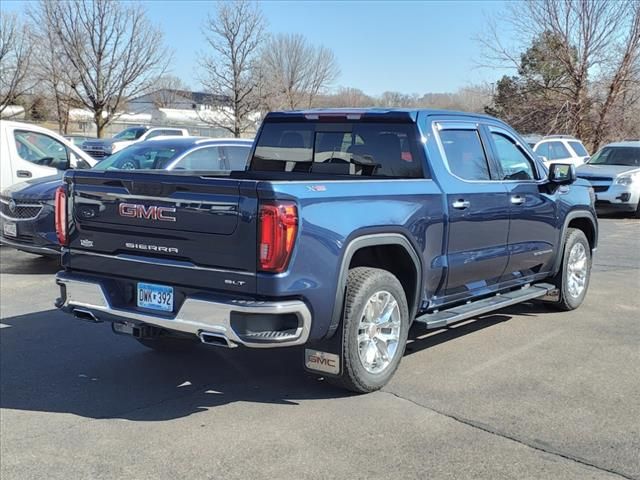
x,y
347,227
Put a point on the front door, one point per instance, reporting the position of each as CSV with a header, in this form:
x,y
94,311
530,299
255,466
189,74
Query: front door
x,y
532,229
478,208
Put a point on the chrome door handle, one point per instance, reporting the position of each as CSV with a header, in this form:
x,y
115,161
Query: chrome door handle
x,y
461,204
517,200
23,174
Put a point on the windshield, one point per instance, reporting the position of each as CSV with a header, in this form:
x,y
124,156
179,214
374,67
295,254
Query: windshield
x,y
627,156
141,157
130,133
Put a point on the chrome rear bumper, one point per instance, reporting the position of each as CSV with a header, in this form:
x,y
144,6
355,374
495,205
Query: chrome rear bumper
x,y
195,316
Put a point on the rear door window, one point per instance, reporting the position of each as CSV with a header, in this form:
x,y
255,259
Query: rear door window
x,y
557,151
207,158
543,149
465,154
358,149
236,157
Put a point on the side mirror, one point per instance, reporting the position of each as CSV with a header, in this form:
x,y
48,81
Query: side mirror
x,y
562,173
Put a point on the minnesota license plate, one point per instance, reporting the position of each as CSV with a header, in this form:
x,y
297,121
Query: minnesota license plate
x,y
10,229
155,297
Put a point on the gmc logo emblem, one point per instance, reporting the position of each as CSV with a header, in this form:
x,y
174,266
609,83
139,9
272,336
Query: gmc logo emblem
x,y
328,362
151,212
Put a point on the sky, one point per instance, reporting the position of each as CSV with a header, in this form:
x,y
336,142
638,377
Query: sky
x,y
406,46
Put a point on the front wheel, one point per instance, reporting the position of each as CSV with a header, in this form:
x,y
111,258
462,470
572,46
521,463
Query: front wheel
x,y
573,278
375,328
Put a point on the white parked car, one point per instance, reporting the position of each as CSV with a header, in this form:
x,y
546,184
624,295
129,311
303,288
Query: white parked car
x,y
614,174
103,147
561,149
28,151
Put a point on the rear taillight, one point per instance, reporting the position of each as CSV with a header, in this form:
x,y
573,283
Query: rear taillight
x,y
61,215
277,235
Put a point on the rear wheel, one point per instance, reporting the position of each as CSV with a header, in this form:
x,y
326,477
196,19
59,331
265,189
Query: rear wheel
x,y
375,328
168,344
573,278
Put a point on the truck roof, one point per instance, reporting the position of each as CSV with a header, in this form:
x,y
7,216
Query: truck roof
x,y
372,113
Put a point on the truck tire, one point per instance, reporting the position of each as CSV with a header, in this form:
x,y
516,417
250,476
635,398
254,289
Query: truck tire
x,y
573,278
167,344
375,328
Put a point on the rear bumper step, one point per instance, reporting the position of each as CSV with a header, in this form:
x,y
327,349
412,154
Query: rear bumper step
x,y
479,307
208,318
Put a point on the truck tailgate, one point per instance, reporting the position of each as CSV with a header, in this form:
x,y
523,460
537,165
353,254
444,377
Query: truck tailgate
x,y
166,223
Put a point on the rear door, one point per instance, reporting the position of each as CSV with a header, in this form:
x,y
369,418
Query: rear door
x,y
533,211
478,210
165,228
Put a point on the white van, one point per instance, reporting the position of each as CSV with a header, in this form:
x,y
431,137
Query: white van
x,y
28,151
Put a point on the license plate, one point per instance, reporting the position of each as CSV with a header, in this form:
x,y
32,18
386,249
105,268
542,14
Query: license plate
x,y
10,229
155,297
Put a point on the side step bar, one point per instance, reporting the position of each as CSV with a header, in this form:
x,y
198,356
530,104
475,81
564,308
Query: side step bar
x,y
479,307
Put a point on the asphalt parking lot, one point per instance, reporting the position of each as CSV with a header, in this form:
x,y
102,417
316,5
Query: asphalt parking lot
x,y
522,393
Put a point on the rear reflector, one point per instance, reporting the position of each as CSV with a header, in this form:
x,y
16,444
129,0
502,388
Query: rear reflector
x,y
61,215
277,234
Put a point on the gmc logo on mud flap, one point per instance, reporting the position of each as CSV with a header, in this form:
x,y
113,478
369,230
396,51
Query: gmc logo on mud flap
x,y
322,361
151,212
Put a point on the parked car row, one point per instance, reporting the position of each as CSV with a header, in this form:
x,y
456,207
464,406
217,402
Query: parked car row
x,y
41,157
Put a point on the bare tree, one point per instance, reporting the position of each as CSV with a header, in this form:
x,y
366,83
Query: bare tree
x,y
113,53
50,66
15,58
596,43
230,68
167,90
295,72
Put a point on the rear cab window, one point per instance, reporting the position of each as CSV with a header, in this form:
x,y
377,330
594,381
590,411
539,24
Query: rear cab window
x,y
365,149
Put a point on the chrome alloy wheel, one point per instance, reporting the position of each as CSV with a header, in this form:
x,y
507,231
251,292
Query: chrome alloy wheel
x,y
577,270
379,332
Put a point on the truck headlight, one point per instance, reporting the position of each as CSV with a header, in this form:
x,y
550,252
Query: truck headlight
x,y
628,179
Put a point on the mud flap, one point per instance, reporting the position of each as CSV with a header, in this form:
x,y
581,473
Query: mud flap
x,y
324,357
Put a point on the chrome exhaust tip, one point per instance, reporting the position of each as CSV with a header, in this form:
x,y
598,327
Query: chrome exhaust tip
x,y
216,339
85,315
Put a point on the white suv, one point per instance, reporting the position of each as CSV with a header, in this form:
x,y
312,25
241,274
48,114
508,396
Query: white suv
x,y
561,149
103,147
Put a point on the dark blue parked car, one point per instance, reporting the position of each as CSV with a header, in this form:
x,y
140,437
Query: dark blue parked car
x,y
26,209
347,227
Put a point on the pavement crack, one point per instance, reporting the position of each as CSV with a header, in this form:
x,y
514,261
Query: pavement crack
x,y
498,433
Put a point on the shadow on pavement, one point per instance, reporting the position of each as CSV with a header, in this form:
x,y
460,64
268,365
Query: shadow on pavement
x,y
51,362
20,263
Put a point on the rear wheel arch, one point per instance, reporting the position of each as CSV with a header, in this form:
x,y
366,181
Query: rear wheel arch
x,y
393,252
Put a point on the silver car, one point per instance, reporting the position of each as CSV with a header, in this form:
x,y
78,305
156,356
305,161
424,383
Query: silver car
x,y
614,174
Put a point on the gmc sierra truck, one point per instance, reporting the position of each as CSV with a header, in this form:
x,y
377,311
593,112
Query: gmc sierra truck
x,y
347,227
